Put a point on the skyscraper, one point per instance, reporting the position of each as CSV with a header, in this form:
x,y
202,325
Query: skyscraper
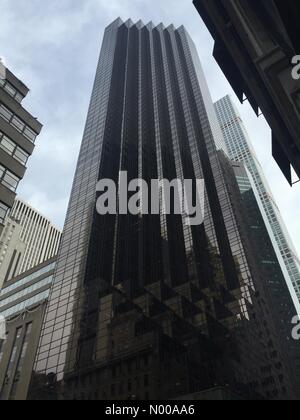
x,y
144,306
18,132
28,239
240,150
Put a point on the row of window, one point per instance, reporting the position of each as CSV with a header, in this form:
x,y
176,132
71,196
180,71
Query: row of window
x,y
13,150
3,212
18,124
8,179
26,304
17,357
12,359
27,291
20,364
11,90
27,279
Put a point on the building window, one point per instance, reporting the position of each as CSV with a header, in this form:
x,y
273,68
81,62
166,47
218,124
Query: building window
x,y
18,124
13,150
11,90
26,291
27,279
19,97
12,358
5,113
7,145
2,343
21,156
35,300
8,179
3,212
30,134
22,356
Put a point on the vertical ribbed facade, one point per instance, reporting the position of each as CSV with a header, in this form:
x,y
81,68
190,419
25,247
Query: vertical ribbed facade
x,y
240,149
28,239
145,306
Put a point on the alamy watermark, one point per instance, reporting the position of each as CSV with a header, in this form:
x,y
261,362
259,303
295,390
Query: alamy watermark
x,y
166,197
296,67
2,328
296,329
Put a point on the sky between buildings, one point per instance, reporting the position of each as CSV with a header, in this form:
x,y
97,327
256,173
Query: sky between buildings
x,y
54,48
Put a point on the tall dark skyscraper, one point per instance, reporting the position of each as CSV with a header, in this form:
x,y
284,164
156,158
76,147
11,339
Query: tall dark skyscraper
x,y
145,306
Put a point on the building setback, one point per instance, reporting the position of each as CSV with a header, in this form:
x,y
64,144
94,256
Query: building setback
x,y
28,239
145,306
18,132
255,43
22,304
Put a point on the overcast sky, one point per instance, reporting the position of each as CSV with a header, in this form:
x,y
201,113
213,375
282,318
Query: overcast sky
x,y
53,47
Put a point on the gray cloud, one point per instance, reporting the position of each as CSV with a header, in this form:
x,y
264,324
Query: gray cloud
x,y
54,46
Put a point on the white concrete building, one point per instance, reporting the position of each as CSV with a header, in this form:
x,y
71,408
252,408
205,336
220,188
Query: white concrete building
x,y
28,239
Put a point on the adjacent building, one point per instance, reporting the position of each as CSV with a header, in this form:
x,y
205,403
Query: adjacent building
x,y
258,234
18,132
240,149
22,303
145,306
28,239
255,43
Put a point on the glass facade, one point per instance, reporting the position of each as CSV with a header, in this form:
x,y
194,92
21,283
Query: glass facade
x,y
22,304
29,284
240,149
144,306
25,280
26,291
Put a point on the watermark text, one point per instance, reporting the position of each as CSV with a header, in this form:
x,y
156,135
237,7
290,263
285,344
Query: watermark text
x,y
296,67
296,329
166,197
